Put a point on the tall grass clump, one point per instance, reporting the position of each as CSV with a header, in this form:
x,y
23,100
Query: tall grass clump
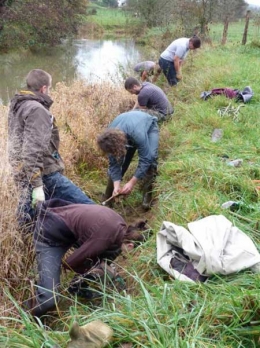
x,y
14,254
194,180
83,111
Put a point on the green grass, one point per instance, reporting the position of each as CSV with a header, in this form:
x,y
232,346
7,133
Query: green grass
x,y
235,31
193,182
109,18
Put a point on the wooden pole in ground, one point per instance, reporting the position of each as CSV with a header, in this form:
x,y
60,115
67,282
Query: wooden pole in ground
x,y
225,31
246,27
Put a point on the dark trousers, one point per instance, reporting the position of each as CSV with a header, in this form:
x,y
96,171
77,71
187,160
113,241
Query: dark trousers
x,y
49,259
161,117
49,269
55,185
169,71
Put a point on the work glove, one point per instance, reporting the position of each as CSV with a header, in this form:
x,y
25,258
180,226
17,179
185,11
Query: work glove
x,y
95,334
37,195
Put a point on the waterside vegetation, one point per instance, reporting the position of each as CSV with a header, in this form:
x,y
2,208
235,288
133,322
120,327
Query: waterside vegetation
x,y
194,180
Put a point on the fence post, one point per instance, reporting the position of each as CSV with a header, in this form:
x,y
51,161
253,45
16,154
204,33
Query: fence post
x,y
225,31
246,27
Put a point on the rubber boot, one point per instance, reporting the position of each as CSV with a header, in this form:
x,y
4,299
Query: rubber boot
x,y
148,188
109,191
147,197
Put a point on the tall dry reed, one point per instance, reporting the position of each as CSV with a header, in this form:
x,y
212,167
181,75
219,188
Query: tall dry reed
x,y
81,111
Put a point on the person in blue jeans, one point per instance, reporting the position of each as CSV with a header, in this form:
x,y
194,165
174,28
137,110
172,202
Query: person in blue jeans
x,y
33,143
172,58
128,132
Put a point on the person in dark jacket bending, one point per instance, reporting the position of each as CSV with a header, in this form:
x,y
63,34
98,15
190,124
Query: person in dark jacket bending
x,y
131,131
33,140
150,98
98,231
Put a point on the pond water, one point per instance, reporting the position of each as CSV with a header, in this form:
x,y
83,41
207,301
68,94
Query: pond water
x,y
90,60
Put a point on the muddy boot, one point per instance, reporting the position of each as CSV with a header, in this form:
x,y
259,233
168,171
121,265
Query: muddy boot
x,y
108,193
148,188
147,197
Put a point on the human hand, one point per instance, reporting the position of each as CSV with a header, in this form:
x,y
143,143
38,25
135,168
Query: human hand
x,y
127,189
179,77
117,188
37,195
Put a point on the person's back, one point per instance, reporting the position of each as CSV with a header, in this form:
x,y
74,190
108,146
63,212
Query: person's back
x,y
153,97
34,149
134,123
96,233
150,98
92,225
179,47
33,137
128,132
171,60
144,66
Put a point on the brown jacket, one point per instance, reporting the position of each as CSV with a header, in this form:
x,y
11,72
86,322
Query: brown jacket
x,y
33,138
95,229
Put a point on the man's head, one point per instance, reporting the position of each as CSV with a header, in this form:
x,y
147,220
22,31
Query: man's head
x,y
39,81
112,142
194,42
133,236
132,85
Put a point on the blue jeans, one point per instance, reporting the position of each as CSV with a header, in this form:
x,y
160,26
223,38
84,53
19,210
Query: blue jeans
x,y
55,185
169,71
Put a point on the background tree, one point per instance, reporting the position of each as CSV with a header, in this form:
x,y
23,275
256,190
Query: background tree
x,y
153,12
199,13
234,9
46,22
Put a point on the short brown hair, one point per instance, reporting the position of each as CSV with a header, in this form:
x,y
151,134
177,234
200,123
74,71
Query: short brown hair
x,y
196,42
130,82
133,233
113,141
37,78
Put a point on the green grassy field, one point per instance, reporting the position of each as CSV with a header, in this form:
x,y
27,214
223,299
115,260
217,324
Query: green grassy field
x,y
121,21
155,310
109,18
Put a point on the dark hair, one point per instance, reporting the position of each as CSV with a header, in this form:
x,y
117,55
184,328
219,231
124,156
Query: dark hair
x,y
195,41
157,68
37,78
133,234
130,82
113,141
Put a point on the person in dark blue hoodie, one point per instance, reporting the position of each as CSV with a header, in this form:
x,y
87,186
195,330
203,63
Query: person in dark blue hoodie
x,y
128,132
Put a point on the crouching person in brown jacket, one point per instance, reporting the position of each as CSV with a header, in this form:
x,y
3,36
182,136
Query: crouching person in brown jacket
x,y
96,230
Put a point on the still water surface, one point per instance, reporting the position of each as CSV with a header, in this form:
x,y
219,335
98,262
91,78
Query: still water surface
x,y
90,60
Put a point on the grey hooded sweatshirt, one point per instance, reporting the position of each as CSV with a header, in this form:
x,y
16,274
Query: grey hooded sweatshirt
x,y
33,138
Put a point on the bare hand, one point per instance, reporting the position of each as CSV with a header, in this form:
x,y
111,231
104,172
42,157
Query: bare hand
x,y
127,189
116,192
117,188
